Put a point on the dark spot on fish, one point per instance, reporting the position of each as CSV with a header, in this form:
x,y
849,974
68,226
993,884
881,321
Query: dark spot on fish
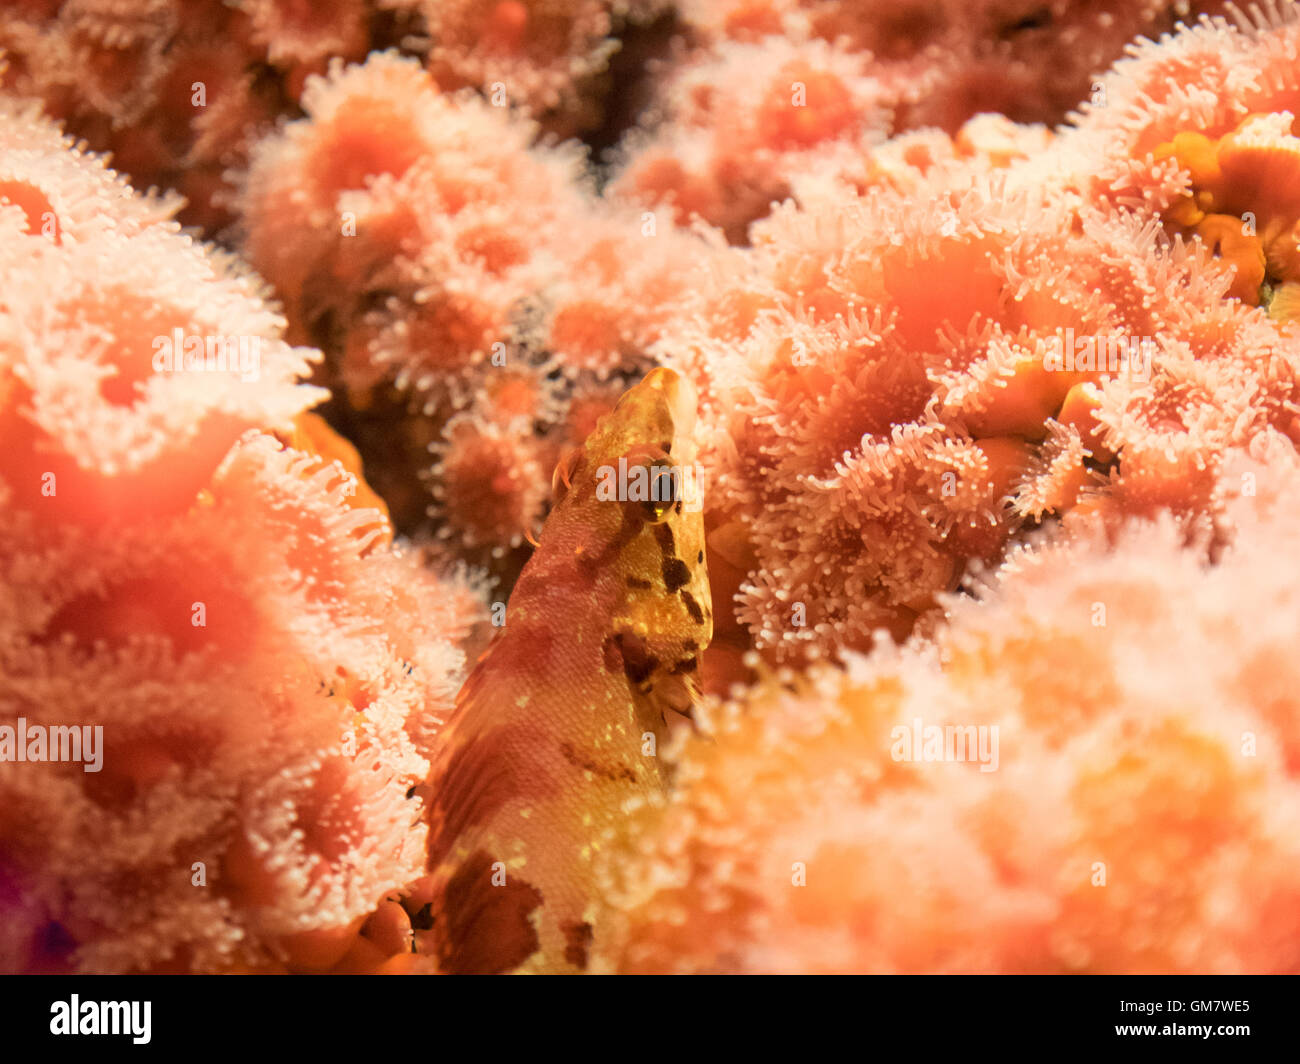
x,y
577,760
637,670
676,575
577,939
692,607
690,645
638,583
611,654
686,665
637,661
677,509
487,930
664,536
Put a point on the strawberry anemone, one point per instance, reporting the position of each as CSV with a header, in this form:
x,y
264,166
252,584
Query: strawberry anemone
x,y
256,669
1046,336
465,286
1078,775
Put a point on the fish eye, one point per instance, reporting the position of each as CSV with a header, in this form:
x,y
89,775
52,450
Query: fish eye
x,y
664,490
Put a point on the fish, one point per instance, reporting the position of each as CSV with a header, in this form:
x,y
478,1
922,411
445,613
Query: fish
x,y
562,721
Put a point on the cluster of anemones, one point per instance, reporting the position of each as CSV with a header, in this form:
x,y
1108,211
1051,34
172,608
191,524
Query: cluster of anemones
x,y
173,90
732,133
894,391
1092,769
545,55
260,672
946,339
925,386
951,59
471,296
914,385
772,92
178,90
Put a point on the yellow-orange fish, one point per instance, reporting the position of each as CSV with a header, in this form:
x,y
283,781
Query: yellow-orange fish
x,y
563,718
